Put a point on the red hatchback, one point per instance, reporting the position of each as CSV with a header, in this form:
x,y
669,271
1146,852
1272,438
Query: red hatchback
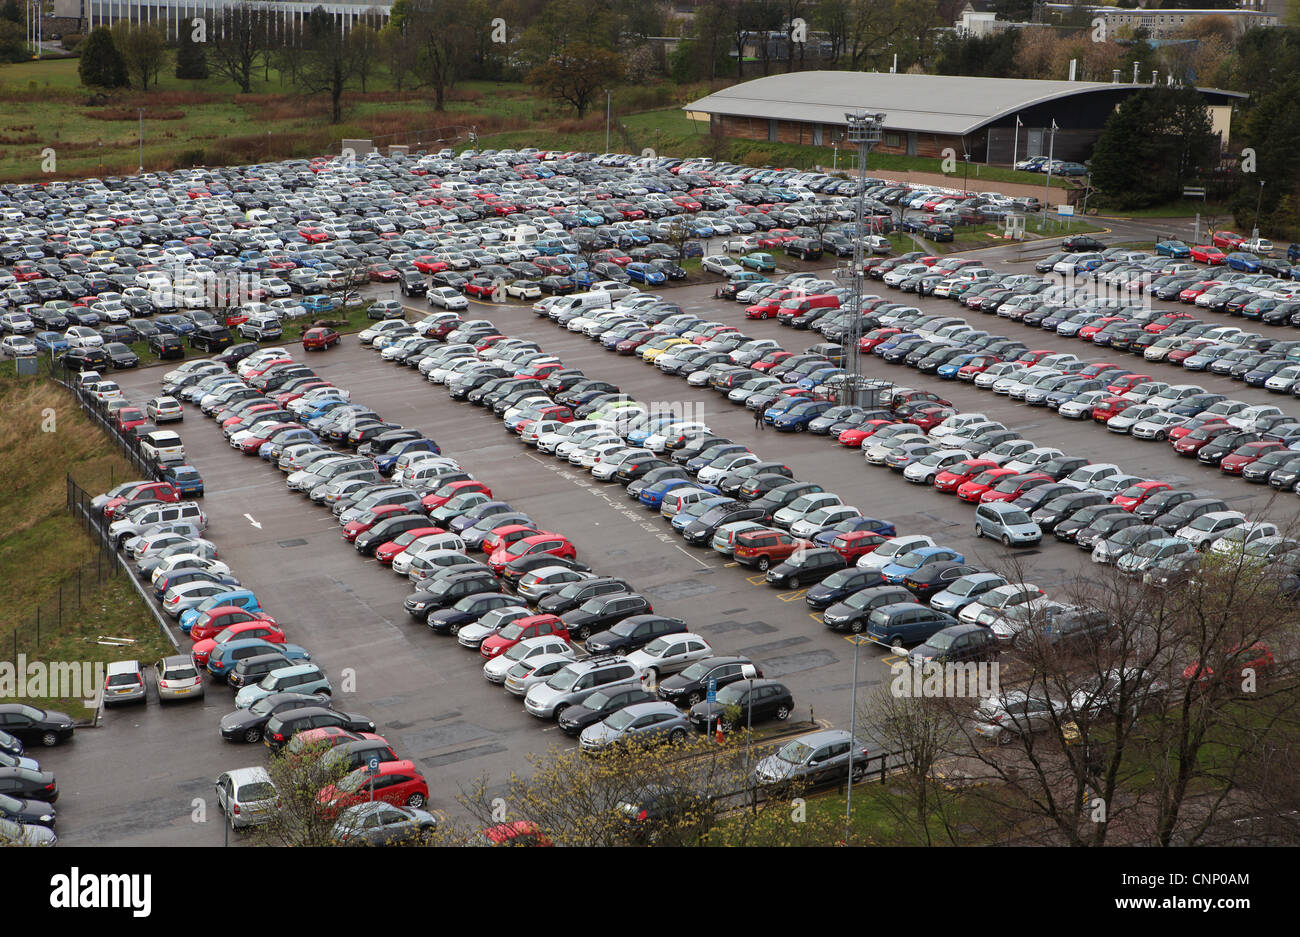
x,y
853,437
266,630
1245,455
1196,439
387,552
1125,383
1134,495
857,543
394,782
1109,407
452,490
506,534
543,542
372,517
521,629
952,478
974,489
216,620
320,338
1011,488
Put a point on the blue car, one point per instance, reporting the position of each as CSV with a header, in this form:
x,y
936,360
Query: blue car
x,y
240,598
175,324
909,563
639,435
948,370
795,419
779,407
640,272
47,342
1173,248
388,461
185,479
317,302
223,658
1242,261
653,497
681,519
853,524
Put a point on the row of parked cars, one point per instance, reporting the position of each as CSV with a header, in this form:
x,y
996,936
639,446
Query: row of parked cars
x,y
28,793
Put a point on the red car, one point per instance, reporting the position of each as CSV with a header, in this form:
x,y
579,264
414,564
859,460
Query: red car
x,y
853,437
451,490
1108,407
395,782
927,418
265,630
1009,489
518,833
764,309
129,417
1195,423
857,543
1190,294
975,366
320,338
1089,331
543,542
1257,657
521,629
1168,319
877,337
1197,438
144,491
387,552
427,263
1179,355
1126,382
313,235
952,478
1228,240
974,489
250,445
216,620
1134,495
372,517
771,360
1244,455
503,536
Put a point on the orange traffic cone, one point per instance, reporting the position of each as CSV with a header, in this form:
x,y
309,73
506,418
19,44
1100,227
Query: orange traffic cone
x,y
719,733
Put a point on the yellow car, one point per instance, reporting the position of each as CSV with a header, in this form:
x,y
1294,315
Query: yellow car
x,y
654,349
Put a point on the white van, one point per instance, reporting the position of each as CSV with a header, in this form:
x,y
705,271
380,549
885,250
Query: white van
x,y
583,302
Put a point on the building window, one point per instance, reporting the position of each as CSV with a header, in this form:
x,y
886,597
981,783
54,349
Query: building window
x,y
893,139
772,131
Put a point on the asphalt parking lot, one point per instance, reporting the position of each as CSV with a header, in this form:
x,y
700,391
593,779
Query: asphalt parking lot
x,y
427,693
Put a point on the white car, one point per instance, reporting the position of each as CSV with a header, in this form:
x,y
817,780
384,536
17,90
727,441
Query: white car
x,y
1208,528
446,297
822,518
523,289
722,265
1033,459
1239,538
924,470
83,336
1086,476
995,603
890,550
546,646
525,674
1156,426
17,346
804,506
669,654
471,636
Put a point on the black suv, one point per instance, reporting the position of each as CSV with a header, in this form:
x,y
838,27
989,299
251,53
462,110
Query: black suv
x,y
571,596
633,633
692,684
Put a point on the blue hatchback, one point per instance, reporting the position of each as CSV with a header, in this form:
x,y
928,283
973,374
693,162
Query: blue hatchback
x,y
223,658
185,478
909,563
240,598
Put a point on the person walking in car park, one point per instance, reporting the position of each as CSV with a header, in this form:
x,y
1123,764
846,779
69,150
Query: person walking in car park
x,y
758,419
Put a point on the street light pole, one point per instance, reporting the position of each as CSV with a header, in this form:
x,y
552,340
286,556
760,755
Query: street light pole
x,y
1047,186
865,130
140,111
1258,203
853,740
749,672
608,99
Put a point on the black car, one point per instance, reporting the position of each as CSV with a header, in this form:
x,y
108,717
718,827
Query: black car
x,y
233,354
22,810
10,745
702,529
283,726
32,726
1062,506
445,592
634,629
956,644
692,684
250,670
757,701
1183,514
121,356
27,784
85,359
166,345
211,338
570,597
933,578
390,528
1162,502
521,566
851,613
247,725
1081,519
469,610
600,705
806,566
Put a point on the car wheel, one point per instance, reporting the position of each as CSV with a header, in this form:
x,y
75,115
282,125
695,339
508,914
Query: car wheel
x,y
799,428
896,643
1006,540
1006,737
415,800
694,698
1161,436
763,564
859,771
253,735
856,626
783,712
978,533
675,737
559,710
454,630
49,739
582,633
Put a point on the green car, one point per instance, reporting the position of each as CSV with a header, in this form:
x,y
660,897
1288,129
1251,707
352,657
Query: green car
x,y
748,276
762,262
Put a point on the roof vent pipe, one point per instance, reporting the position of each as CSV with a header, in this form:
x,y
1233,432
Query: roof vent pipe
x,y
1074,68
1114,76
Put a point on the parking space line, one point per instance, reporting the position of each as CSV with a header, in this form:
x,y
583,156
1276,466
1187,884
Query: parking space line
x,y
758,580
817,617
792,596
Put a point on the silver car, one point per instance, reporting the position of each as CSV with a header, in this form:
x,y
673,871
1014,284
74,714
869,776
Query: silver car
x,y
544,581
177,679
246,796
527,673
1015,714
495,670
669,654
644,721
816,758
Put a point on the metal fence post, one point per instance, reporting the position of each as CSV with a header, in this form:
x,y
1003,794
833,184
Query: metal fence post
x,y
38,627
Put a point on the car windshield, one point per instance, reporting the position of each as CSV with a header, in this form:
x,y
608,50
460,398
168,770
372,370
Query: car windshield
x,y
940,641
794,752
731,694
657,647
621,719
696,671
564,680
912,560
1205,522
1012,518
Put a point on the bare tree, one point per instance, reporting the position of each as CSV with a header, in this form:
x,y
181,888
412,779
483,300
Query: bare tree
x,y
238,40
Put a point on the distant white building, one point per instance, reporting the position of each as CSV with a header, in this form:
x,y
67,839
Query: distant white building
x,y
171,13
1165,23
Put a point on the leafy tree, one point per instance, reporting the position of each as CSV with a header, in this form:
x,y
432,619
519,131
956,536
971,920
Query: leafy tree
x,y
11,12
439,33
1153,143
576,74
1271,129
191,58
979,56
143,49
365,47
13,42
101,64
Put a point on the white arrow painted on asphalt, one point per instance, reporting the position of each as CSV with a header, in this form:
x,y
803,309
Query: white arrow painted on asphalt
x,y
253,522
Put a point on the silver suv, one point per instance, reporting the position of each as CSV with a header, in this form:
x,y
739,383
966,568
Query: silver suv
x,y
574,683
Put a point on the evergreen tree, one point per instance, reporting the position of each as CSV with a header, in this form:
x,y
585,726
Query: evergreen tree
x,y
1155,142
191,59
11,12
101,65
